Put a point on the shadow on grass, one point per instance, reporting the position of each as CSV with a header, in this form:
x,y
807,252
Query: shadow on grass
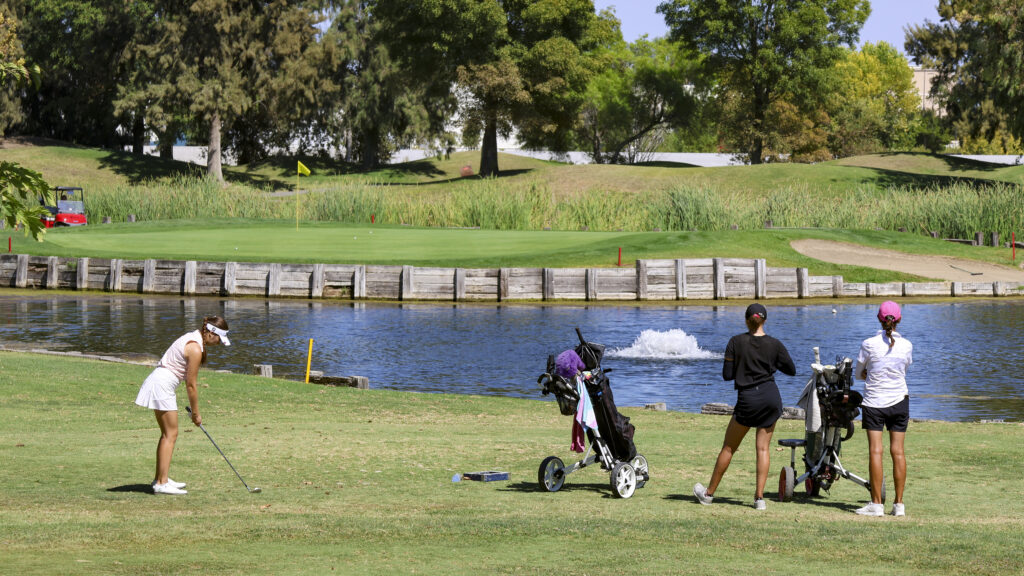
x,y
501,174
567,487
718,500
954,163
137,169
139,488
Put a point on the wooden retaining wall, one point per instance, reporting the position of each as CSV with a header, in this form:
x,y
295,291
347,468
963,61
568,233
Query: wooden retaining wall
x,y
681,279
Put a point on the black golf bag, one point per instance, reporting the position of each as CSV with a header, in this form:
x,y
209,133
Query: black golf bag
x,y
613,443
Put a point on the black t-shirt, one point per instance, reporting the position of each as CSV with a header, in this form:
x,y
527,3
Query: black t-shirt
x,y
752,360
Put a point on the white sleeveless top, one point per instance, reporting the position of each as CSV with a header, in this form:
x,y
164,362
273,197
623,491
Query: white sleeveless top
x,y
174,358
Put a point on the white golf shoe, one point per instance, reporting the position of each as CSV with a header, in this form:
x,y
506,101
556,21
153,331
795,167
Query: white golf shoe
x,y
171,482
872,509
167,489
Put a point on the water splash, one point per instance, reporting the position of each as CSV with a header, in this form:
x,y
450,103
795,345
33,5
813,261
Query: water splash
x,y
674,344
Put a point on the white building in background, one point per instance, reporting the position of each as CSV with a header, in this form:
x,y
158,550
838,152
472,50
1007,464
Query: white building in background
x,y
923,80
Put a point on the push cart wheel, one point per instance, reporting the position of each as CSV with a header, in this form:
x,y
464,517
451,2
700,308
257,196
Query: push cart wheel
x,y
787,480
639,464
551,474
883,489
812,487
623,479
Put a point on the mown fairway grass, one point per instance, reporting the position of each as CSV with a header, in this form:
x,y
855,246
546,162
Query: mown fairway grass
x,y
279,241
359,482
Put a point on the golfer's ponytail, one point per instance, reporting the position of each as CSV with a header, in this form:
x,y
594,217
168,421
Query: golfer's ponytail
x,y
215,321
889,324
754,322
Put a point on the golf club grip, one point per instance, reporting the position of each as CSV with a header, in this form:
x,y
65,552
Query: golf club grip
x,y
580,335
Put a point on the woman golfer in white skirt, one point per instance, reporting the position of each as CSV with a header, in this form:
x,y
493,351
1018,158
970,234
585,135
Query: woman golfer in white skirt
x,y
179,364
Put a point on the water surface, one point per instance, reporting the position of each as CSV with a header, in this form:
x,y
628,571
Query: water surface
x,y
968,355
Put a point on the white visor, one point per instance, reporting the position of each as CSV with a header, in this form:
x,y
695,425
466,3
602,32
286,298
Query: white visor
x,y
223,334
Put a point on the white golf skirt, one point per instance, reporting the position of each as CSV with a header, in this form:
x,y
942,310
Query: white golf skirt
x,y
157,391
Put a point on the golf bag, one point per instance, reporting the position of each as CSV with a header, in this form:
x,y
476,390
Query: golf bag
x,y
612,440
830,407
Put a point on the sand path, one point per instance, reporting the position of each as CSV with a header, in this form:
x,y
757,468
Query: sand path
x,y
939,267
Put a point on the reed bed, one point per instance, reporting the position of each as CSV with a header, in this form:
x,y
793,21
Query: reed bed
x,y
957,211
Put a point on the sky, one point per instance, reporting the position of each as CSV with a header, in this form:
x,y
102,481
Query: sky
x,y
888,17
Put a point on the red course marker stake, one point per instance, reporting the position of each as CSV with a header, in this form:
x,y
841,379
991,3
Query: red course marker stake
x,y
8,244
620,256
372,218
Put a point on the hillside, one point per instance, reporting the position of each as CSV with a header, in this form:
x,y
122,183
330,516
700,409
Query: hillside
x,y
94,168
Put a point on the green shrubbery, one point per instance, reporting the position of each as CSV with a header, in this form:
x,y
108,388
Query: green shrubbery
x,y
958,210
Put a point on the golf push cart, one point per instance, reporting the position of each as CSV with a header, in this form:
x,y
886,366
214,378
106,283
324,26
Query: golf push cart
x,y
611,442
830,407
67,209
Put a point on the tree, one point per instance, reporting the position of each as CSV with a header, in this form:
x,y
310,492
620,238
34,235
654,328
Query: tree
x,y
381,93
629,107
876,105
80,44
978,49
19,187
223,59
530,72
764,51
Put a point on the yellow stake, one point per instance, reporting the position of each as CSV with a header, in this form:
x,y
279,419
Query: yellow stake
x,y
309,359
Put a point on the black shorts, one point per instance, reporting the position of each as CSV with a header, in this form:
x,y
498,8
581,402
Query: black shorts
x,y
895,417
758,406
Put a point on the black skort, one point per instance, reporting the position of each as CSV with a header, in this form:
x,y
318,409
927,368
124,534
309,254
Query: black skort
x,y
758,406
894,417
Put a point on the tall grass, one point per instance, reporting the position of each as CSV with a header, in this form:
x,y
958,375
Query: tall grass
x,y
956,211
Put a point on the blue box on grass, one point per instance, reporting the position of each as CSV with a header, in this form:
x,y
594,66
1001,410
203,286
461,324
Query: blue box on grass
x,y
489,476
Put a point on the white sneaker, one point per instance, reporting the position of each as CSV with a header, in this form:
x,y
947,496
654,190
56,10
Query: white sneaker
x,y
872,509
702,494
898,510
167,489
171,482
759,504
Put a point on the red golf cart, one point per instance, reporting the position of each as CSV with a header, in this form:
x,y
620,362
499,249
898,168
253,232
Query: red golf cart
x,y
67,209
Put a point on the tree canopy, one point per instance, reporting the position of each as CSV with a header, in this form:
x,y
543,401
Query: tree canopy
x,y
765,52
977,46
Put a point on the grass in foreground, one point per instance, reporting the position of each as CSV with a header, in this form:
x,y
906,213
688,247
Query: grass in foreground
x,y
358,482
279,241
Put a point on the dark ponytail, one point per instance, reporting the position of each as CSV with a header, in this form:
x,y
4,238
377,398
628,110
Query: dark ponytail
x,y
889,324
754,322
216,321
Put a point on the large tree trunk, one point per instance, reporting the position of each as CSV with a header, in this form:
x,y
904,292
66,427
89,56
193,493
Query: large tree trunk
x,y
138,134
489,149
370,149
165,142
213,157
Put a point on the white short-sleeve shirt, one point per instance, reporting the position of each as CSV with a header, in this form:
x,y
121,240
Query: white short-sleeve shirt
x,y
886,368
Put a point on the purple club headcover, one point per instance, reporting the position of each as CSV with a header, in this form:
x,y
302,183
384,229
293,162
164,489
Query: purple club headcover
x,y
568,363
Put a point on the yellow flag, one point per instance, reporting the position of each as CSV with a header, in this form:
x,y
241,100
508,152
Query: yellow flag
x,y
303,170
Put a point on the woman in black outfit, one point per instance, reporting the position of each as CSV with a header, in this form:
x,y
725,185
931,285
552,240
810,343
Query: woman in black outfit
x,y
751,359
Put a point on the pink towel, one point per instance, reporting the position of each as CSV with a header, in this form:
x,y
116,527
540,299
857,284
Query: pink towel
x,y
578,443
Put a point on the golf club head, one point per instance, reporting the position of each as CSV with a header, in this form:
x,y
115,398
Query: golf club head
x,y
256,489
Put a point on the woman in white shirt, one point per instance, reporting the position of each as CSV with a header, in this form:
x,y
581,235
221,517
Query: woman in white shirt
x,y
180,363
882,364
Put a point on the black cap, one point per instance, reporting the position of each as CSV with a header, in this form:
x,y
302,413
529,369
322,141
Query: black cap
x,y
757,309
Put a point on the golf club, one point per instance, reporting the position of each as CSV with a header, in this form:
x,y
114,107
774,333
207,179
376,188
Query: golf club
x,y
968,271
254,488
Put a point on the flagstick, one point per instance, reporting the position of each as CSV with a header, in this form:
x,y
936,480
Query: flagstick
x,y
297,199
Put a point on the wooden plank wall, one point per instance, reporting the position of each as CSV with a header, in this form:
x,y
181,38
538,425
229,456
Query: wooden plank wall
x,y
679,279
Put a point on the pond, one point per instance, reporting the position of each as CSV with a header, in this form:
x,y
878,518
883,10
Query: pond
x,y
966,353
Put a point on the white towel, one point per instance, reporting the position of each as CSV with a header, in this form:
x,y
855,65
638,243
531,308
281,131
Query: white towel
x,y
809,402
